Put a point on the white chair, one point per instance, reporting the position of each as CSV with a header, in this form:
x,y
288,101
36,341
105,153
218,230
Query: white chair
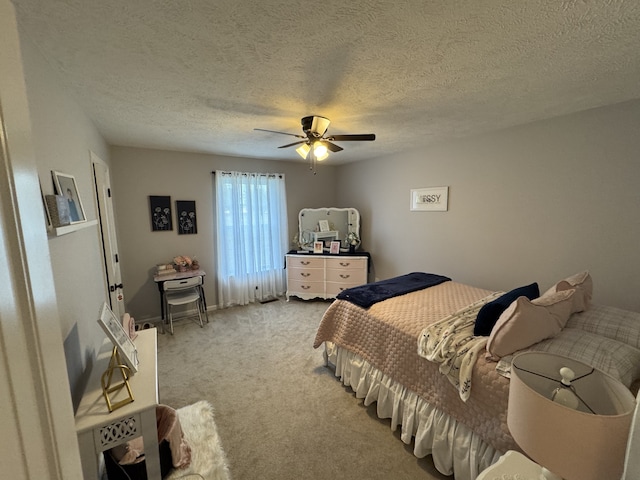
x,y
183,292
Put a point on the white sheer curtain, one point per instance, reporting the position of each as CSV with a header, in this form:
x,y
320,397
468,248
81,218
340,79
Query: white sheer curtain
x,y
251,234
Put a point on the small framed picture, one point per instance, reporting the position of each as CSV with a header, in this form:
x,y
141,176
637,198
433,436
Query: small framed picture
x,y
118,336
324,225
335,247
318,247
65,185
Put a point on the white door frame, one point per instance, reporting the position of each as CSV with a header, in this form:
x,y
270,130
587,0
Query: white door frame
x,y
37,424
108,237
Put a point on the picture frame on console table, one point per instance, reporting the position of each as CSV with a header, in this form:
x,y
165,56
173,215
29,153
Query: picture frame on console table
x,y
318,247
119,337
335,248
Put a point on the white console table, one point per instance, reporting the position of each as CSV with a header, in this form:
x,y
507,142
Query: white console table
x,y
98,430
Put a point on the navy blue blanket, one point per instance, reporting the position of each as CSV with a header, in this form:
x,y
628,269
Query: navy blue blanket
x,y
370,293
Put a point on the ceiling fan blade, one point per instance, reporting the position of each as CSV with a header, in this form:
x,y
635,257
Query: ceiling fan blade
x,y
292,144
352,138
332,146
281,133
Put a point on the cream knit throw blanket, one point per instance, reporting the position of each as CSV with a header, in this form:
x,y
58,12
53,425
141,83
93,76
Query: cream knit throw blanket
x,y
451,343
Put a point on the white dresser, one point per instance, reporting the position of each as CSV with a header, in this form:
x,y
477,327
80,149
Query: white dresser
x,y
324,276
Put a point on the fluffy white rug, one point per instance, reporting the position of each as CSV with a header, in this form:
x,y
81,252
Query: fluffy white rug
x,y
208,460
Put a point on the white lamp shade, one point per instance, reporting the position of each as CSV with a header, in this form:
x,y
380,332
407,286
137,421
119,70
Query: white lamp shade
x,y
319,125
575,444
320,151
303,150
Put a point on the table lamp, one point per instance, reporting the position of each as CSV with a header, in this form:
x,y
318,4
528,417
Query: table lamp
x,y
569,417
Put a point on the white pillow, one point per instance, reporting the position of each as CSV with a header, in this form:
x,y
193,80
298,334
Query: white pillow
x,y
610,322
618,359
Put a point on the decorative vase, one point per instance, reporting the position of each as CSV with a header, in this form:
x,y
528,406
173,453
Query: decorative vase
x,y
182,268
352,249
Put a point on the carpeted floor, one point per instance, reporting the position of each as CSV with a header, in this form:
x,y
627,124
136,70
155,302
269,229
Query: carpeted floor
x,y
280,413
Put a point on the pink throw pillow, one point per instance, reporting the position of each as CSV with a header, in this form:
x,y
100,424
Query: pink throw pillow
x,y
526,322
582,283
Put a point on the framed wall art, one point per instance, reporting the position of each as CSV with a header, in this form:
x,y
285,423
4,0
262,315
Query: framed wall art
x,y
65,185
160,210
119,337
186,217
432,199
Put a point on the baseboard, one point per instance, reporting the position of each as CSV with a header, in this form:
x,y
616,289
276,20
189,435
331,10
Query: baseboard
x,y
268,300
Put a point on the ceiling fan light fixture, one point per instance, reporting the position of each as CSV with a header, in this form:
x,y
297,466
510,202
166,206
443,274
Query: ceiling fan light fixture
x,y
303,150
315,146
314,125
320,151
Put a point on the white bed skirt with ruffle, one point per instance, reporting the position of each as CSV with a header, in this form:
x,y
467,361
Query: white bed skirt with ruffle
x,y
453,446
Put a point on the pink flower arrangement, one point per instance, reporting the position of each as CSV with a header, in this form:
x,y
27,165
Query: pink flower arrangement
x,y
182,261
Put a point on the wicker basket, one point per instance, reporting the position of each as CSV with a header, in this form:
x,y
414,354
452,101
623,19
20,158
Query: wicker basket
x,y
58,210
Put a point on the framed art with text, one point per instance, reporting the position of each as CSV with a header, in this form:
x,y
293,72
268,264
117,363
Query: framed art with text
x,y
431,199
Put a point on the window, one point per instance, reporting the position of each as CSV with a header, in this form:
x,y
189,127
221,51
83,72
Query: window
x,y
251,232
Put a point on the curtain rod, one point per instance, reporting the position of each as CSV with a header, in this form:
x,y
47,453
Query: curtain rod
x,y
222,172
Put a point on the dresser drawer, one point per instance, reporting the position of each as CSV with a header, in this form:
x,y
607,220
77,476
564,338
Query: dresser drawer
x,y
305,287
347,275
357,263
334,288
307,261
305,274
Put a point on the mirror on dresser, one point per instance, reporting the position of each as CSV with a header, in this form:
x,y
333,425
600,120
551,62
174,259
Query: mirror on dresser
x,y
326,225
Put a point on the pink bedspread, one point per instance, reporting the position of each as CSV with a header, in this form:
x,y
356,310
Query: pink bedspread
x,y
386,335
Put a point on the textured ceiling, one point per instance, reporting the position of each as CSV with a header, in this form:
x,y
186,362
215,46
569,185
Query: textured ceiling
x,y
199,75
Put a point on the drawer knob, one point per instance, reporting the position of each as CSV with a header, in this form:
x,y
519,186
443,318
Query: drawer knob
x,y
342,275
305,274
345,264
306,287
304,262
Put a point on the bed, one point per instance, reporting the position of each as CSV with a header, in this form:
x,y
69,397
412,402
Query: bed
x,y
378,351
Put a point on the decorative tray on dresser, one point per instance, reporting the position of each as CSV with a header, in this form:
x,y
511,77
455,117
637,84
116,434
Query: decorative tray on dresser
x,y
324,276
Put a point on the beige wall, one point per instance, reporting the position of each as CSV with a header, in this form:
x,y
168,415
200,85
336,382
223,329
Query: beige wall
x,y
138,173
533,203
62,139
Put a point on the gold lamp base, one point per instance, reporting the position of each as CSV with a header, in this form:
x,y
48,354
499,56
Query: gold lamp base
x,y
108,385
